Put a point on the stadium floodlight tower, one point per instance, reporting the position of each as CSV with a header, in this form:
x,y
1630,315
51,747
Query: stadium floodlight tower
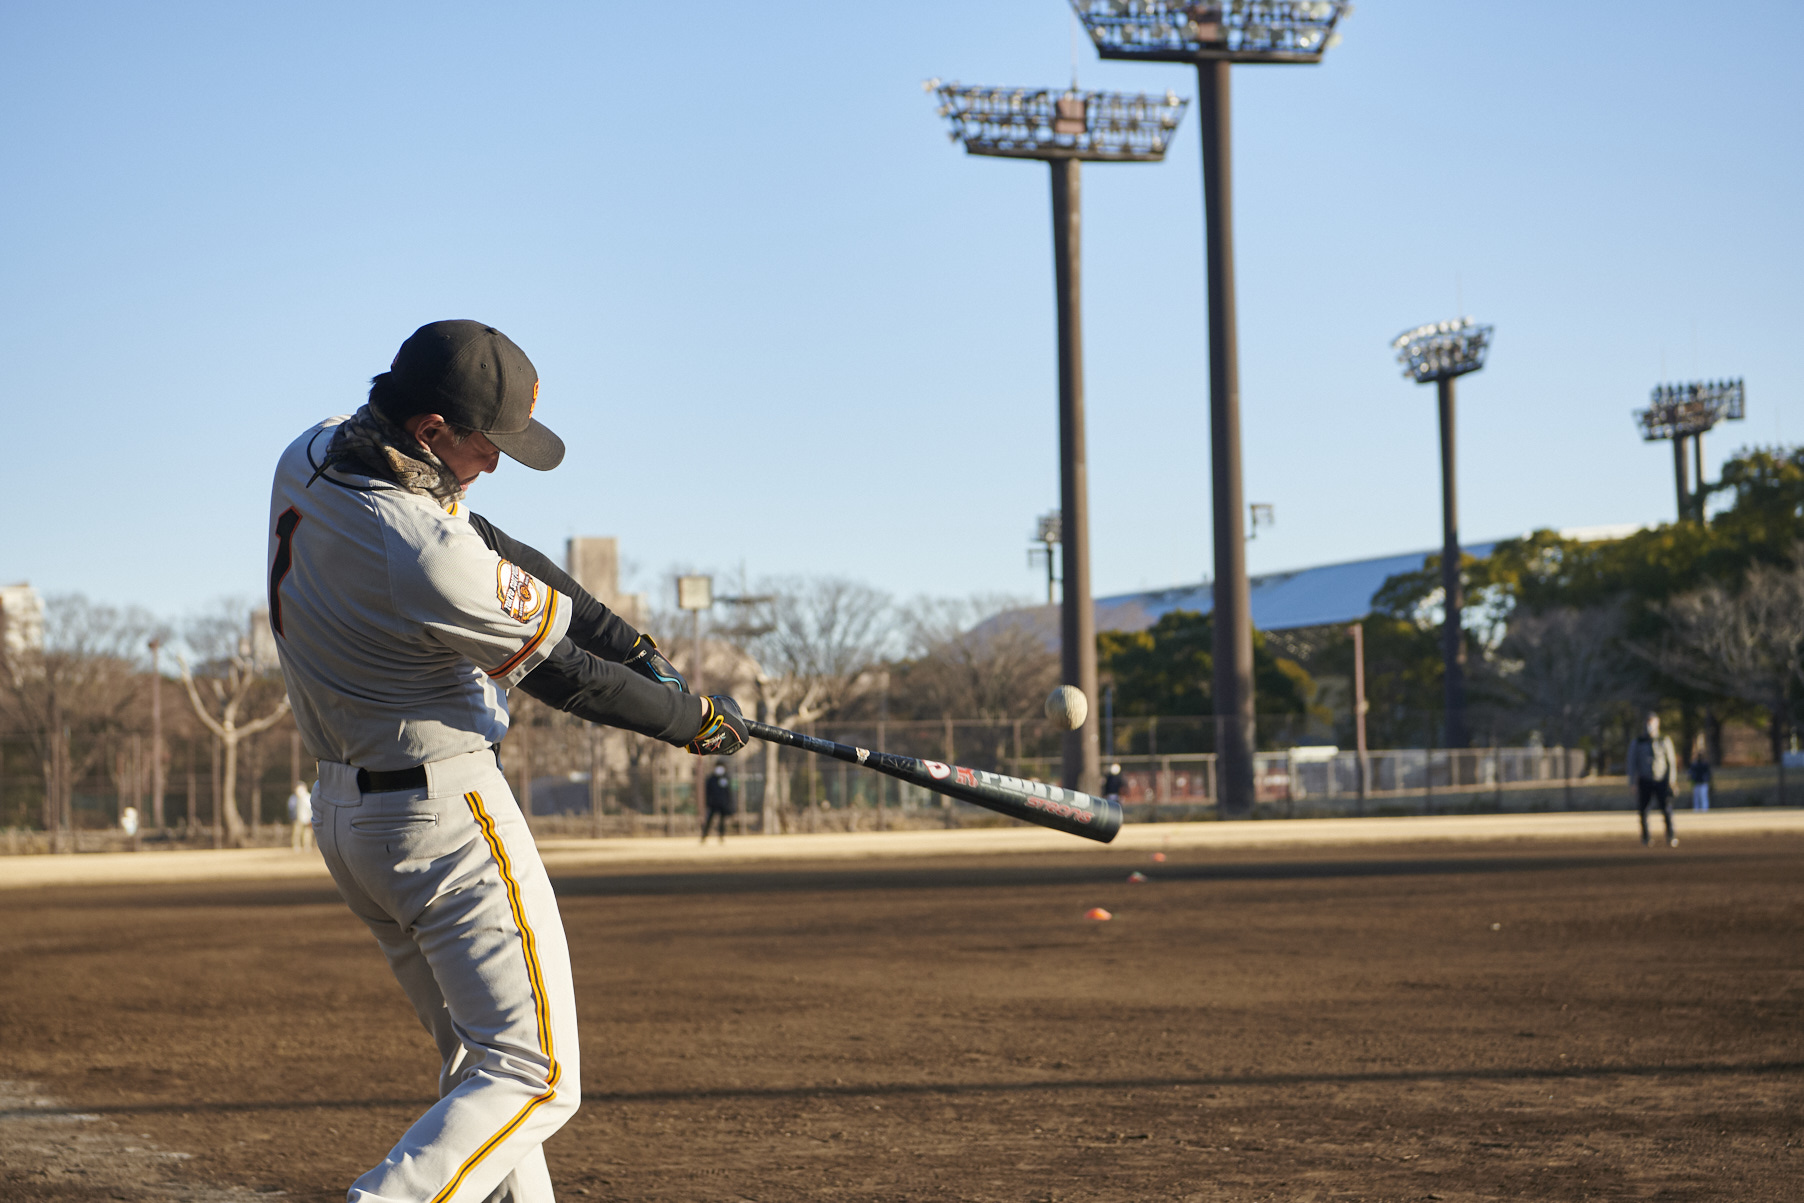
x,y
1064,129
1686,412
1439,353
1213,36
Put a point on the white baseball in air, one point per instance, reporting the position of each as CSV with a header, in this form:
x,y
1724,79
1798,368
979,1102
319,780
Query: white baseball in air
x,y
1067,707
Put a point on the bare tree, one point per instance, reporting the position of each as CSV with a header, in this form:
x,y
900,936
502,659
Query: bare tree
x,y
1565,669
231,675
70,696
1746,644
815,642
968,659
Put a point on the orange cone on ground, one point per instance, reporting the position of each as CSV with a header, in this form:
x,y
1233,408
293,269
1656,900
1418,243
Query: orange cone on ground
x,y
1159,858
1096,912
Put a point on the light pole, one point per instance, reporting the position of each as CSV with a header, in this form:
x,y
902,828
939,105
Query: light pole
x,y
1048,536
694,594
1358,631
1063,129
1212,36
1682,412
1440,352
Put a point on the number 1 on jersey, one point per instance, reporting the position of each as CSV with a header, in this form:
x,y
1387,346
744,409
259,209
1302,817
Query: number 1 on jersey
x,y
284,560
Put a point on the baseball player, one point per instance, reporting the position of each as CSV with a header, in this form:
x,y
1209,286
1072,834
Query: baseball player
x,y
721,806
402,620
1652,765
300,817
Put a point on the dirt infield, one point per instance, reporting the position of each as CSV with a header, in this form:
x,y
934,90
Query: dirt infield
x,y
1552,1020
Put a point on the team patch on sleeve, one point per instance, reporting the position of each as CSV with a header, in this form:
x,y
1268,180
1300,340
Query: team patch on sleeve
x,y
522,597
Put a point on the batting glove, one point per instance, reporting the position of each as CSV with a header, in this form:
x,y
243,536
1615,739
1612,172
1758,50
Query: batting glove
x,y
723,731
646,660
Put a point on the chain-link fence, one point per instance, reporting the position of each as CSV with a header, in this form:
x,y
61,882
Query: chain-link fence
x,y
783,789
578,780
72,794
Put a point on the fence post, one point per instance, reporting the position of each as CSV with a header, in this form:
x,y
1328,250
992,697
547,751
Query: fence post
x,y
1428,779
53,788
158,782
883,782
738,783
951,758
256,767
213,783
137,790
814,807
595,783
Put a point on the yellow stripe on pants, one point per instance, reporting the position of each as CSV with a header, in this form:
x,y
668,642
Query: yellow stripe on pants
x,y
541,1008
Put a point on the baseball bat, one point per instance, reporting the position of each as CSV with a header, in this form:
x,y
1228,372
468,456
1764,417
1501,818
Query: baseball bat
x,y
1030,801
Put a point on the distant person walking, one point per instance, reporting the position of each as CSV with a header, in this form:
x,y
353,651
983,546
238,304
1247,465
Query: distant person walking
x,y
1652,767
1700,781
300,817
719,796
1112,784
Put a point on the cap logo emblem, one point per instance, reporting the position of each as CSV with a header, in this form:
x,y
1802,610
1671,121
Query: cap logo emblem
x,y
535,399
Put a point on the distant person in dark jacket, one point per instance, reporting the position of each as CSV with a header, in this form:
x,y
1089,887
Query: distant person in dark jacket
x,y
718,794
1652,766
1700,782
1112,784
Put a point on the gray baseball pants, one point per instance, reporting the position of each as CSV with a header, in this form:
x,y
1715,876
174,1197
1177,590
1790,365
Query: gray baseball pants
x,y
450,882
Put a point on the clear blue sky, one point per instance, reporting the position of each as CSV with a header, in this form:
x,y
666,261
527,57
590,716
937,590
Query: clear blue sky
x,y
782,322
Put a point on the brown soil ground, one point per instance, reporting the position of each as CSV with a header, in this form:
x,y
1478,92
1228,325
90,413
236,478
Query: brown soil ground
x,y
1545,1021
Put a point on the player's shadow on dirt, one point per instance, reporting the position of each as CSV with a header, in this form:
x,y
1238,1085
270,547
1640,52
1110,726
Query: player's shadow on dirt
x,y
1210,1081
880,1090
920,877
994,876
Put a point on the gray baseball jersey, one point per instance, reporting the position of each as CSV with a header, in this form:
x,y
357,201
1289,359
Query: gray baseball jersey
x,y
399,630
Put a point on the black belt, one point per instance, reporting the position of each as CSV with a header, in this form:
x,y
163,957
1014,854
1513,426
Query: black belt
x,y
382,783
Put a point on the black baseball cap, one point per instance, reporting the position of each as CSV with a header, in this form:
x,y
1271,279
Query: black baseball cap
x,y
473,376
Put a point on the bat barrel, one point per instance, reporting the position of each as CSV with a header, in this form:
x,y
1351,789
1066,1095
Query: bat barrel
x,y
1034,802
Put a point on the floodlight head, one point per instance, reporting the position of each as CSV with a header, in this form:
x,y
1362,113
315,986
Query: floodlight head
x,y
1051,528
1238,31
1677,411
1044,123
1442,350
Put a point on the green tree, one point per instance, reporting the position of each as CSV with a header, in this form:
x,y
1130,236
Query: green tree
x,y
1637,576
1403,681
1168,669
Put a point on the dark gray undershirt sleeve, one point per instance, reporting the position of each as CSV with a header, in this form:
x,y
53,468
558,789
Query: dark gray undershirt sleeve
x,y
603,692
594,628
